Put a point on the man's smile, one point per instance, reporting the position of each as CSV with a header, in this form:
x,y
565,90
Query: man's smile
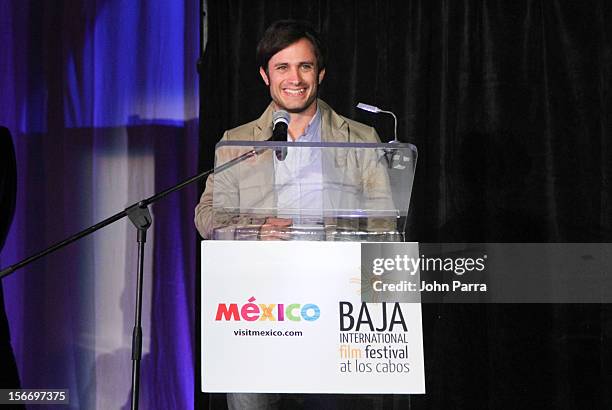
x,y
294,91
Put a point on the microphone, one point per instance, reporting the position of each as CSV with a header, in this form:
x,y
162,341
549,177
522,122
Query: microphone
x,y
376,110
280,126
390,154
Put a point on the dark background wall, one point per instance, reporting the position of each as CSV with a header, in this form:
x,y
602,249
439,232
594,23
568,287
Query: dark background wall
x,y
509,104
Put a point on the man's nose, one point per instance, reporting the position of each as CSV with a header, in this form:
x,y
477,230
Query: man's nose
x,y
295,76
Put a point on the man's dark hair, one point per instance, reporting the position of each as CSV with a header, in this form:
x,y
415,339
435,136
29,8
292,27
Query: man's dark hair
x,y
281,34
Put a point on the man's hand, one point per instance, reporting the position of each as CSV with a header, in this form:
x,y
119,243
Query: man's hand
x,y
275,229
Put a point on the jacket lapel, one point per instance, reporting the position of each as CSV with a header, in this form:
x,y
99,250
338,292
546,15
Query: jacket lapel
x,y
265,162
333,127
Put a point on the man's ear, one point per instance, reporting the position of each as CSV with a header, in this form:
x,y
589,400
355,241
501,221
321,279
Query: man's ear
x,y
264,76
321,75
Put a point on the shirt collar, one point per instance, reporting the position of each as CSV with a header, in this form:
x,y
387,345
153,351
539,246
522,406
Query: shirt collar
x,y
312,133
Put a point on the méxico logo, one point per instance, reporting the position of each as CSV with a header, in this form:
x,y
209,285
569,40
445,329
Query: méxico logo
x,y
273,312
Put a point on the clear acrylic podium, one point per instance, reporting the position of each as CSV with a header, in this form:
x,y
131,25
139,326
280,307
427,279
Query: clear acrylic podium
x,y
358,192
318,191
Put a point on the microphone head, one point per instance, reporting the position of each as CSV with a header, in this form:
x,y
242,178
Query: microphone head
x,y
280,125
280,116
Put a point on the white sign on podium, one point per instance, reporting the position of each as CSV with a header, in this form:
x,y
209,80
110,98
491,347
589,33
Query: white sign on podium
x,y
287,317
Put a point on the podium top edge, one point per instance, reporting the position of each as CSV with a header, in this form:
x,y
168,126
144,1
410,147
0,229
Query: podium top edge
x,y
365,145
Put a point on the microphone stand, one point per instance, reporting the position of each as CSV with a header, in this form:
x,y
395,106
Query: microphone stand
x,y
139,215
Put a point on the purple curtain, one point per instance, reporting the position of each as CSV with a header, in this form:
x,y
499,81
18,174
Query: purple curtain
x,y
101,99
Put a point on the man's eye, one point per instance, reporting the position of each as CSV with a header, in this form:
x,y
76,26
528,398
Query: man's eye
x,y
307,67
281,67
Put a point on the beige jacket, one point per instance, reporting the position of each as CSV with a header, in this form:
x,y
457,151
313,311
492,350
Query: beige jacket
x,y
252,178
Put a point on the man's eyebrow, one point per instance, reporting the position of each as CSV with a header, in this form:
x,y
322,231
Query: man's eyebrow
x,y
299,63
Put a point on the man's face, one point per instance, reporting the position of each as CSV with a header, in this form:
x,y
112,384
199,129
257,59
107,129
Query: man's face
x,y
293,78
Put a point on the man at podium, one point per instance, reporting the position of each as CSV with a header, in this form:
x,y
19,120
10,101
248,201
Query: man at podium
x,y
292,59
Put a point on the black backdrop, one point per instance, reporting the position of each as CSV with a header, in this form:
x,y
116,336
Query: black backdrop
x,y
510,106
